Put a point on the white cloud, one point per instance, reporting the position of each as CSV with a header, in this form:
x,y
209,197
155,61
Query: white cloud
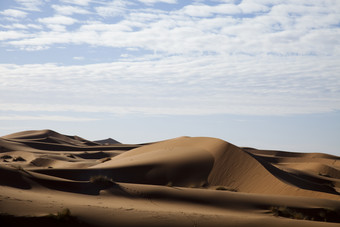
x,y
77,2
268,85
57,19
45,118
198,10
8,35
31,5
78,58
56,27
34,48
249,58
156,1
201,28
112,8
13,13
44,40
20,26
69,10
250,7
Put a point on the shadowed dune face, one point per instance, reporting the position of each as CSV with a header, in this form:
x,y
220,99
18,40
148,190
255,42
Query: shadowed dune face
x,y
182,161
183,171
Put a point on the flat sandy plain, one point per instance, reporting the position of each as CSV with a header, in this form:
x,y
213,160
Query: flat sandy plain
x,y
185,181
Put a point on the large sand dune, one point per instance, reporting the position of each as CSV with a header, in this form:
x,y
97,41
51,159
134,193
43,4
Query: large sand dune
x,y
186,181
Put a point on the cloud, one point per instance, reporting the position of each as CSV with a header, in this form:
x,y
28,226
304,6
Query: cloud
x,y
251,7
267,85
57,19
157,1
251,27
30,5
45,118
249,57
112,8
44,40
203,10
57,24
69,10
9,35
78,58
77,2
13,13
17,26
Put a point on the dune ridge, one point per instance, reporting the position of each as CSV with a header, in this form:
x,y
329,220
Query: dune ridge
x,y
45,161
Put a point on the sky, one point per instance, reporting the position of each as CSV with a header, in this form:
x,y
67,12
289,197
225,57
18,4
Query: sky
x,y
256,73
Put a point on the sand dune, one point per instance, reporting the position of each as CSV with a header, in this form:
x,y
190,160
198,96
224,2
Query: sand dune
x,y
108,141
186,181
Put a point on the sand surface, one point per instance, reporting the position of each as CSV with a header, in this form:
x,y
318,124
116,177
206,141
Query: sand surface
x,y
186,181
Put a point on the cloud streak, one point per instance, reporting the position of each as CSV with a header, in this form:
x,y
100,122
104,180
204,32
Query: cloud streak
x,y
45,118
69,10
178,85
30,5
13,13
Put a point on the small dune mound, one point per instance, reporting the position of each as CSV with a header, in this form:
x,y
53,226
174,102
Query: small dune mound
x,y
62,218
43,162
101,181
108,141
313,214
6,157
93,155
19,159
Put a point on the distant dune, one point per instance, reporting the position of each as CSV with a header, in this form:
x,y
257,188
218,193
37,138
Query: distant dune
x,y
185,181
108,141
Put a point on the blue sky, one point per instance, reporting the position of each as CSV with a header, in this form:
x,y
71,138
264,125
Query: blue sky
x,y
259,73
